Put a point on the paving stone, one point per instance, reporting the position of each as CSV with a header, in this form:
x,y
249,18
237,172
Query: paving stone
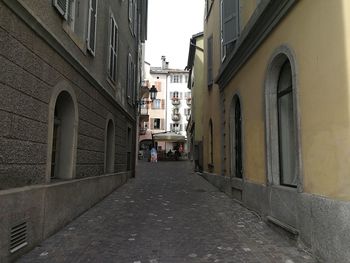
x,y
167,214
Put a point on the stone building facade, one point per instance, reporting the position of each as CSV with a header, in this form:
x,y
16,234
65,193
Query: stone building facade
x,y
68,84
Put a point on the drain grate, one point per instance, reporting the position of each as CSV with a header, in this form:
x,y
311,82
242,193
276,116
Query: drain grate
x,y
18,237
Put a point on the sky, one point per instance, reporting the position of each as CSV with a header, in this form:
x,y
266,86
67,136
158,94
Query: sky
x,y
171,24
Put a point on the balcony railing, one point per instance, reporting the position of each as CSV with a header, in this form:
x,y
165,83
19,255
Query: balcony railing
x,y
176,117
175,101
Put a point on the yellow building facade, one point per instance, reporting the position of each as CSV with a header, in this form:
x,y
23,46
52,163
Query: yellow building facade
x,y
278,117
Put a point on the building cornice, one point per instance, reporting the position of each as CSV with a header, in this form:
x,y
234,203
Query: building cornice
x,y
37,26
266,17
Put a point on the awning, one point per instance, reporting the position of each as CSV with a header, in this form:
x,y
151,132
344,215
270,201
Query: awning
x,y
168,137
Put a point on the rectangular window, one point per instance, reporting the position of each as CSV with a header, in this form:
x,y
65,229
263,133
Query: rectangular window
x,y
156,124
210,61
91,38
157,104
130,79
113,50
229,25
186,78
135,18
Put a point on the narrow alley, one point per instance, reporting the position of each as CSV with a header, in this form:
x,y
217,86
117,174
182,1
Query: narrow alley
x,y
167,214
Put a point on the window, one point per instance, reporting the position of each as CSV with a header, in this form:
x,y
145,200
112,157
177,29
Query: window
x,y
113,50
210,61
109,147
211,144
176,79
91,38
135,18
128,150
131,79
63,137
282,136
187,111
175,94
132,16
286,127
156,124
186,78
188,95
156,104
236,138
229,25
175,127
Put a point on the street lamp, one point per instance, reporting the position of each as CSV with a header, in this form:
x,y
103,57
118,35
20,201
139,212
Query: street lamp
x,y
152,94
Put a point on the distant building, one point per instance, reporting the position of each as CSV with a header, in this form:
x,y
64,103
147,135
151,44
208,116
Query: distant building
x,y
69,76
170,111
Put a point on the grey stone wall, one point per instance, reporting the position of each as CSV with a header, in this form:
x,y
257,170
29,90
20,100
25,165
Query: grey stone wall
x,y
29,70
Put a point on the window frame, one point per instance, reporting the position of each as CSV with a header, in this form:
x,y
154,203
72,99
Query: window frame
x,y
113,27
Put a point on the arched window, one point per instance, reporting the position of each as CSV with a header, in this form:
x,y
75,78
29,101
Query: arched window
x,y
286,127
211,143
282,137
236,138
110,147
63,137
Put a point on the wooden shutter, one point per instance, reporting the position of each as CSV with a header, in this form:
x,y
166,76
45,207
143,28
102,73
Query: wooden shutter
x,y
171,95
162,104
161,124
159,86
230,21
151,120
91,40
62,7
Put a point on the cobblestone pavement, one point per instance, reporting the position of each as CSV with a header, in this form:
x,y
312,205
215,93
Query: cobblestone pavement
x,y
167,214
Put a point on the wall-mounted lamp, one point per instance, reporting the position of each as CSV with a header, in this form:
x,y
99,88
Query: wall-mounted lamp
x,y
152,95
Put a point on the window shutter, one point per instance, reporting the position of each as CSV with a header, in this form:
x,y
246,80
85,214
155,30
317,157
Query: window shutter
x,y
159,86
171,95
163,104
91,40
62,7
162,124
210,61
135,18
180,129
129,76
152,123
230,22
130,10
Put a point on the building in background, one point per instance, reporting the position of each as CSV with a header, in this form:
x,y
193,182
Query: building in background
x,y
170,111
196,85
69,72
276,116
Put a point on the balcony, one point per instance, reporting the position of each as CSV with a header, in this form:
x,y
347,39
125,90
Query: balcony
x,y
143,131
189,101
143,111
175,101
176,117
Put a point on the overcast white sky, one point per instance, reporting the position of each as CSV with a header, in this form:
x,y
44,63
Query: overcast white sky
x,y
171,24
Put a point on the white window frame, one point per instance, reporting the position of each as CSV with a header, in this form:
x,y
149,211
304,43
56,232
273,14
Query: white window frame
x,y
112,49
89,48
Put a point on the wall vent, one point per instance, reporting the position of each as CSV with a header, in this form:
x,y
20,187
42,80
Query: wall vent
x,y
18,238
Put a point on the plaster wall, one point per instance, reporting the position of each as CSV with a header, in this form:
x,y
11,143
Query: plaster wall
x,y
322,90
211,106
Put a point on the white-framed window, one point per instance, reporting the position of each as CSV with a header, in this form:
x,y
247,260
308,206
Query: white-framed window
x,y
92,21
229,25
112,49
176,79
187,111
175,127
157,104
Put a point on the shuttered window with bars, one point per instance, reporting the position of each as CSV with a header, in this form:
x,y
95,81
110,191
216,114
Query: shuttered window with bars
x,y
62,7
